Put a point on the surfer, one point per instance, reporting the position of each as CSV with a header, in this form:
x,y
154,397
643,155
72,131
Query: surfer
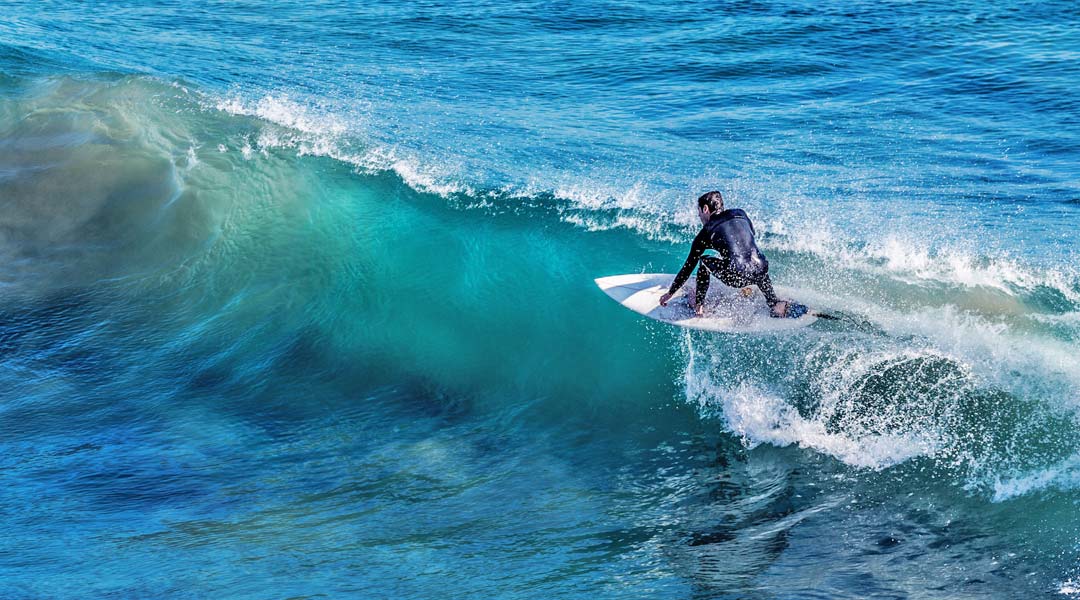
x,y
740,264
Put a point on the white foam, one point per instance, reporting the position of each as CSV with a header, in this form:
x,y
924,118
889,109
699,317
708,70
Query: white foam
x,y
914,260
1013,360
1069,318
192,157
1064,476
957,266
321,133
597,196
283,111
633,222
246,150
759,416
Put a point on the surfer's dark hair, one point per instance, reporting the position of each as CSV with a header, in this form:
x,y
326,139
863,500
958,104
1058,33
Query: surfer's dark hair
x,y
713,200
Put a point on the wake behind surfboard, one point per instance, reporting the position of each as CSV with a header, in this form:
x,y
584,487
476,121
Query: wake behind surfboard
x,y
726,309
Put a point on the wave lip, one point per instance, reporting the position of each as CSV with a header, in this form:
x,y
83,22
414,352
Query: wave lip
x,y
1064,475
322,133
914,260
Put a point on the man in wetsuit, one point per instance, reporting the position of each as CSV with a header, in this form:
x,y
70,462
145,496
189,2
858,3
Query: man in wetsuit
x,y
739,264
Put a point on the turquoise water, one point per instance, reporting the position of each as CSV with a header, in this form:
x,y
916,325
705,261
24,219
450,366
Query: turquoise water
x,y
298,302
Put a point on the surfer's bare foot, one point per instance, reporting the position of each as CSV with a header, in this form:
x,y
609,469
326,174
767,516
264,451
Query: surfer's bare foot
x,y
747,291
779,310
698,309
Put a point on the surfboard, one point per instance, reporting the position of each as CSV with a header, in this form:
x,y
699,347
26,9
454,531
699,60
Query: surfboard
x,y
726,309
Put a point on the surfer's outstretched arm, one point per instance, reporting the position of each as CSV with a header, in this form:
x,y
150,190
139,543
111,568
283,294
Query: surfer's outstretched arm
x,y
700,245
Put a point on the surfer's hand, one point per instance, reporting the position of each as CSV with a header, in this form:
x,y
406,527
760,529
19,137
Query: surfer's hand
x,y
664,299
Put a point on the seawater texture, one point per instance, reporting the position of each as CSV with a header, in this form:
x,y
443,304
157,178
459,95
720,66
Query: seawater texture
x,y
297,301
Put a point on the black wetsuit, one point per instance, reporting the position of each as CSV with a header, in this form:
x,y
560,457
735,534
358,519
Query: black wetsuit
x,y
740,263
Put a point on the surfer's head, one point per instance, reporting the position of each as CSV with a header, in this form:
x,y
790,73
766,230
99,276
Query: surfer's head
x,y
709,204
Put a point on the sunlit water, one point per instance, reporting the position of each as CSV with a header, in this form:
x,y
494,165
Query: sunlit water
x,y
297,301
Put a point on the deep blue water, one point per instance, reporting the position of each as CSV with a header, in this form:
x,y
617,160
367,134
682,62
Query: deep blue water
x,y
296,300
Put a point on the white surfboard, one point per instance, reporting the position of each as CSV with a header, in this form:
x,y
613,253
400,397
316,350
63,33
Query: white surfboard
x,y
726,309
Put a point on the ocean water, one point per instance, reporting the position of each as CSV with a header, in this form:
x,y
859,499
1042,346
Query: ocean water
x,y
296,300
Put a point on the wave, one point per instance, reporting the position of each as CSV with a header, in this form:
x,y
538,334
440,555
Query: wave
x,y
949,354
911,258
